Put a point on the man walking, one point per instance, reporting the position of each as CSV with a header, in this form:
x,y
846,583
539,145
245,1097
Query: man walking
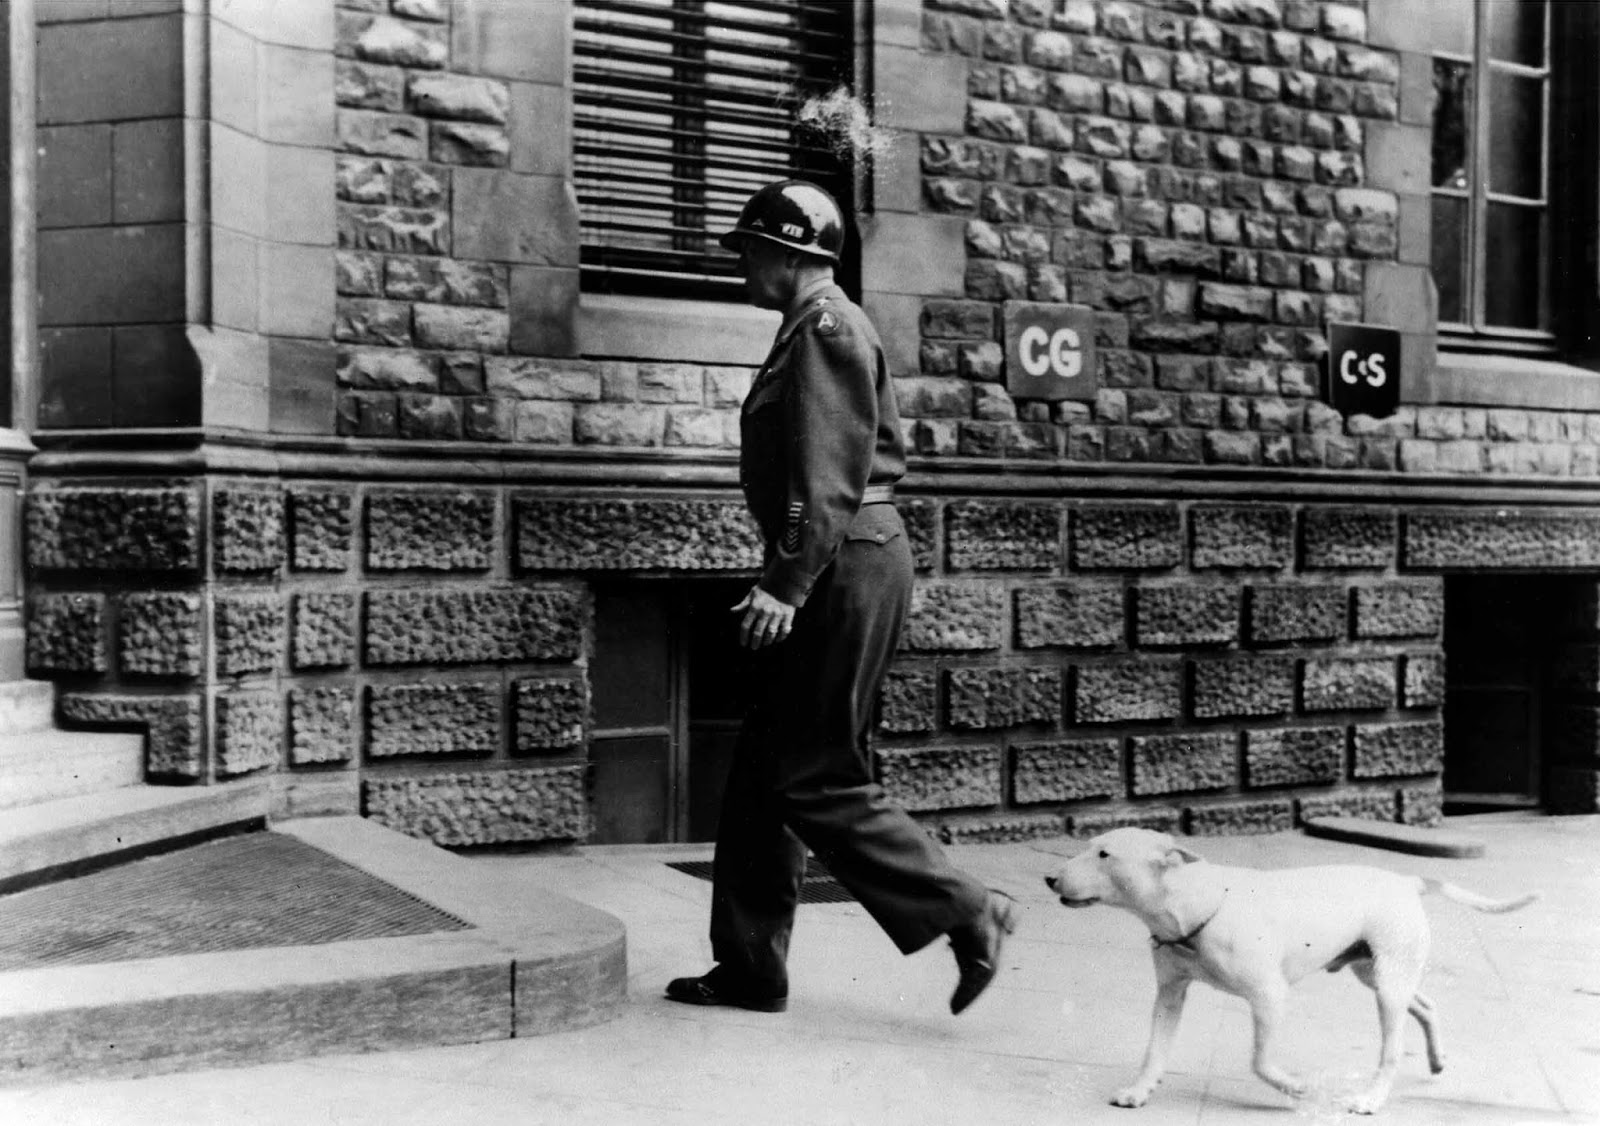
x,y
820,452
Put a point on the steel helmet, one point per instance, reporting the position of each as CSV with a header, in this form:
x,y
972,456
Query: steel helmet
x,y
792,213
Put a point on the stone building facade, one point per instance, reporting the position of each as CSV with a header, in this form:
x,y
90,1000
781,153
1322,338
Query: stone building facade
x,y
345,478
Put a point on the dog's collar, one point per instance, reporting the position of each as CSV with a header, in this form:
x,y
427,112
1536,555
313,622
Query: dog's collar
x,y
1187,940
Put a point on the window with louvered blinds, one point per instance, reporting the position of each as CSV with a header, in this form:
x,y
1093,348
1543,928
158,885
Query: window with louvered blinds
x,y
681,109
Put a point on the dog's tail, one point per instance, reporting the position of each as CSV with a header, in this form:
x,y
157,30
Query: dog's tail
x,y
1473,899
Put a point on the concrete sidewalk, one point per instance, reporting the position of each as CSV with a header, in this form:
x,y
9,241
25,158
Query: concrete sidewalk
x,y
868,1038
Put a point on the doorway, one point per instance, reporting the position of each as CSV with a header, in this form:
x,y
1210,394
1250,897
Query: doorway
x,y
1501,637
670,684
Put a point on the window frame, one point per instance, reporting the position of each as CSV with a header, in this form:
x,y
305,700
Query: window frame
x,y
1476,334
647,273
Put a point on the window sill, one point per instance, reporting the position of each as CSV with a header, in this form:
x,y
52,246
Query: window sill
x,y
1465,379
659,328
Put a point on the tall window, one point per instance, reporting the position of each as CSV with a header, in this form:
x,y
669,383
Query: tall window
x,y
682,108
1491,173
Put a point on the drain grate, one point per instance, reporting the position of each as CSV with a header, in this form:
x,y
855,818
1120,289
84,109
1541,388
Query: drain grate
x,y
239,893
818,886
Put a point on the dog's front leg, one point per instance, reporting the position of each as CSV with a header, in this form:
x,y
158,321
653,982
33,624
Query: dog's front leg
x,y
1267,1005
1171,989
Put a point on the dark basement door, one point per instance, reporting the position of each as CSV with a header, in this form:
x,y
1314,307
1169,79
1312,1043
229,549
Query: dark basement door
x,y
669,684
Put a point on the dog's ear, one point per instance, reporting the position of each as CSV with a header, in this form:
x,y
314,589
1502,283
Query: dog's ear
x,y
1177,855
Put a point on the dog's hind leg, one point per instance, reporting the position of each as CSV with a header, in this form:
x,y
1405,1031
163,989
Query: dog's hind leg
x,y
1171,989
1267,1005
1427,1016
1395,988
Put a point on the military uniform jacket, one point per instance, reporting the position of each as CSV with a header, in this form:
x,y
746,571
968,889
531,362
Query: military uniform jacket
x,y
819,426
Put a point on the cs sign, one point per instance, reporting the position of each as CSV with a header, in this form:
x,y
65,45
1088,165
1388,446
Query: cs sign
x,y
1050,351
1363,369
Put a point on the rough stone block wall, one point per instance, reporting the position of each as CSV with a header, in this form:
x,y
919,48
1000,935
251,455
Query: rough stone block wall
x,y
265,630
324,628
1216,667
458,245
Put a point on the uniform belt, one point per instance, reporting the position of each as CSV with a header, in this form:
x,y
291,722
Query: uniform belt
x,y
877,494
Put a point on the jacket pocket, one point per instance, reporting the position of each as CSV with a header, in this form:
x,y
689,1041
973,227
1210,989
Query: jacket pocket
x,y
878,523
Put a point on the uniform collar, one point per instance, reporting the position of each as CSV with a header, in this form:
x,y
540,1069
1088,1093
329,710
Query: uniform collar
x,y
803,302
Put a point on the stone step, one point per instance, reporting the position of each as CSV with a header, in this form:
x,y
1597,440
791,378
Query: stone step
x,y
526,965
47,765
26,705
48,840
1395,837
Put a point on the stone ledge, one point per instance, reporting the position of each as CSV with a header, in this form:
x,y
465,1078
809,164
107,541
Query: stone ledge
x,y
527,967
1395,837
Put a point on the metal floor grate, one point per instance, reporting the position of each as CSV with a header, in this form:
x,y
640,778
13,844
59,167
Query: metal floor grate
x,y
239,893
819,886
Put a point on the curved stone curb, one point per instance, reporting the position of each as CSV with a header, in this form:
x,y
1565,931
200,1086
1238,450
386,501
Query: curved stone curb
x,y
528,966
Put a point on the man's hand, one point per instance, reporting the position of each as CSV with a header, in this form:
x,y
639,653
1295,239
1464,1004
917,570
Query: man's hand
x,y
767,619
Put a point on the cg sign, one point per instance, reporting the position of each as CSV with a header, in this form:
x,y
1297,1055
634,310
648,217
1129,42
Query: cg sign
x,y
1363,369
1050,351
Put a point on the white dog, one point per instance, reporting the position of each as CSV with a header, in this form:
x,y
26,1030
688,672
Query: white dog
x,y
1255,933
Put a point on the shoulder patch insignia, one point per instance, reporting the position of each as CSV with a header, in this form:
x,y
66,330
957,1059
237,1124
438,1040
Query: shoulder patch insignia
x,y
827,324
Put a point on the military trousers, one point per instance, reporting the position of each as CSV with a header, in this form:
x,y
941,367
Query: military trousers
x,y
801,776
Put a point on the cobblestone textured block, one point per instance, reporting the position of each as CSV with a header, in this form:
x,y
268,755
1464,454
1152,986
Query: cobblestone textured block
x,y
113,529
482,807
1400,610
552,713
320,528
249,731
921,518
1126,537
1424,805
1067,770
474,626
430,530
554,534
1124,691
172,727
324,630
250,632
1365,805
1002,536
1294,756
1186,762
1002,697
1241,818
1243,686
1241,536
1387,750
1348,683
1423,683
1348,538
908,701
67,633
1006,828
1281,613
433,719
1482,541
924,778
246,529
160,634
1158,819
1076,616
955,616
322,724
1190,614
